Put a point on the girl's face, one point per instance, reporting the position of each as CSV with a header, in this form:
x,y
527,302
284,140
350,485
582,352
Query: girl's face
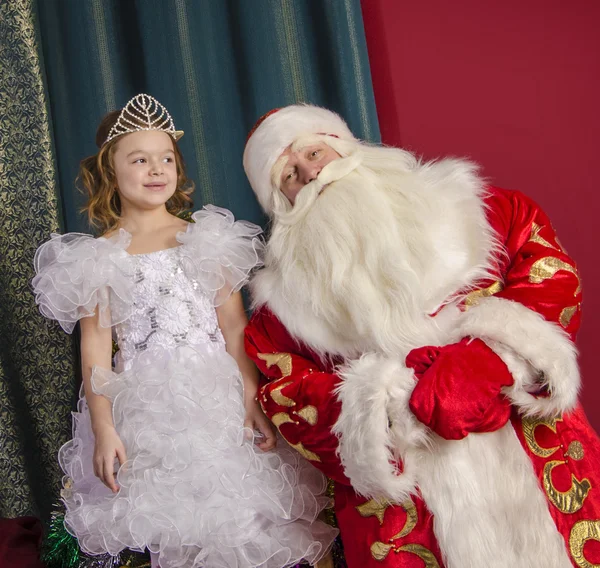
x,y
144,164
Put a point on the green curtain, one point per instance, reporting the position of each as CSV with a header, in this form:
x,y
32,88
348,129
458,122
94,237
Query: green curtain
x,y
217,65
37,360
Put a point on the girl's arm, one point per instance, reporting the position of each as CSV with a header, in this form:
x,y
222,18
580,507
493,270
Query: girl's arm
x,y
96,349
232,321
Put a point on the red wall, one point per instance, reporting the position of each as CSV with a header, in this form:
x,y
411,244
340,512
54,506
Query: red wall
x,y
515,85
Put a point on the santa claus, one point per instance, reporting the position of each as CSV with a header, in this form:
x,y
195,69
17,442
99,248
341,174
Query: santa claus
x,y
415,328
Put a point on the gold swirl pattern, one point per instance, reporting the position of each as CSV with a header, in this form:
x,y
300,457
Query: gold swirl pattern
x,y
282,360
581,532
37,370
423,553
575,450
309,413
545,268
569,501
282,418
307,454
537,238
374,507
529,425
566,315
411,519
380,550
472,299
280,398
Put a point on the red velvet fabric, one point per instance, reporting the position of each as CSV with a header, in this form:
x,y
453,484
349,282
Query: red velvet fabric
x,y
296,380
20,542
459,388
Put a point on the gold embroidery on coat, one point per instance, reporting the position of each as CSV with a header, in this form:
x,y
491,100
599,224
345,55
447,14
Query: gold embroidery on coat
x,y
547,267
423,553
307,454
282,418
581,532
472,299
529,425
380,550
375,508
566,315
569,501
411,519
279,398
537,238
575,450
282,360
309,413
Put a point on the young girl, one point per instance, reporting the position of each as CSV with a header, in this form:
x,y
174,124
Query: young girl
x,y
172,418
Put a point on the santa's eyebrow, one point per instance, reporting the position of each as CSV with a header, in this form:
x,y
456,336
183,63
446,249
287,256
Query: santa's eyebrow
x,y
309,140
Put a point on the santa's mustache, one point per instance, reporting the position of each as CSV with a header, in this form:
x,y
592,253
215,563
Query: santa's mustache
x,y
332,172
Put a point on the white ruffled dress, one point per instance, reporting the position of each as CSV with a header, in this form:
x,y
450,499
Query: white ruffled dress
x,y
195,490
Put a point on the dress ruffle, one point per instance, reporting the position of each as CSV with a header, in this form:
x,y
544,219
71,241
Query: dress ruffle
x,y
198,492
195,489
75,273
220,252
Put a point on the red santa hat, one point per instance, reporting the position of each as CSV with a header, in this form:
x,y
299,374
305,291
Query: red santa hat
x,y
274,132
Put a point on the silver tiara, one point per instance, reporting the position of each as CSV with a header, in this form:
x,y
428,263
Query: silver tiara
x,y
143,112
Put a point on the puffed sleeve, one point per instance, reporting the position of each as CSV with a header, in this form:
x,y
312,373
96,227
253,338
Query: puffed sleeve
x,y
220,252
77,275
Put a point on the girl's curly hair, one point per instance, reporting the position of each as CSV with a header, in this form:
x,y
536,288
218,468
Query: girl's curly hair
x,y
97,179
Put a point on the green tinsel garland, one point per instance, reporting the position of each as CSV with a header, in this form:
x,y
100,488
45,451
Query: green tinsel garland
x,y
61,550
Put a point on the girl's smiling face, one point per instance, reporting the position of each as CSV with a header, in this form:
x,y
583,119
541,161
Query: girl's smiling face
x,y
145,168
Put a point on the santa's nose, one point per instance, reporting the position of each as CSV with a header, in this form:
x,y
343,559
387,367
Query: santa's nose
x,y
312,173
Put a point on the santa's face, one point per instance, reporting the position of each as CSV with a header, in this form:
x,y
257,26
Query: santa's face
x,y
302,165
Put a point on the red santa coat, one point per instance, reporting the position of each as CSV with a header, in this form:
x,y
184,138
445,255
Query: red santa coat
x,y
547,456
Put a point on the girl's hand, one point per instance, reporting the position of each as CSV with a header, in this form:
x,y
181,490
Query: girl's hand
x,y
107,447
256,420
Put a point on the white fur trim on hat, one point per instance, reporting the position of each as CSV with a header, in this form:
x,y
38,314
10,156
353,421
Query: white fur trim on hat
x,y
276,133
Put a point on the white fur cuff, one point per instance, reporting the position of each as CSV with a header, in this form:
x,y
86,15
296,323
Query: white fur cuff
x,y
537,352
376,427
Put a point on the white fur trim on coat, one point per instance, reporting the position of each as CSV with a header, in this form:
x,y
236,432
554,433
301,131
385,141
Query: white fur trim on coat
x,y
376,427
487,504
536,351
276,133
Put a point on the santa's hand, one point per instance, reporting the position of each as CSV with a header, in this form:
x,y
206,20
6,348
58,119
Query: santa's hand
x,y
459,388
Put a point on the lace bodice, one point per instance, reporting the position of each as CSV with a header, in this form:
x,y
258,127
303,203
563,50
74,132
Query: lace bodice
x,y
166,297
169,307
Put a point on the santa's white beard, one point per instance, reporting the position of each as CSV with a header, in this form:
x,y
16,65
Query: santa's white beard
x,y
353,255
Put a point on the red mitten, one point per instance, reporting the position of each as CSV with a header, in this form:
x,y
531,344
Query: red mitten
x,y
459,388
